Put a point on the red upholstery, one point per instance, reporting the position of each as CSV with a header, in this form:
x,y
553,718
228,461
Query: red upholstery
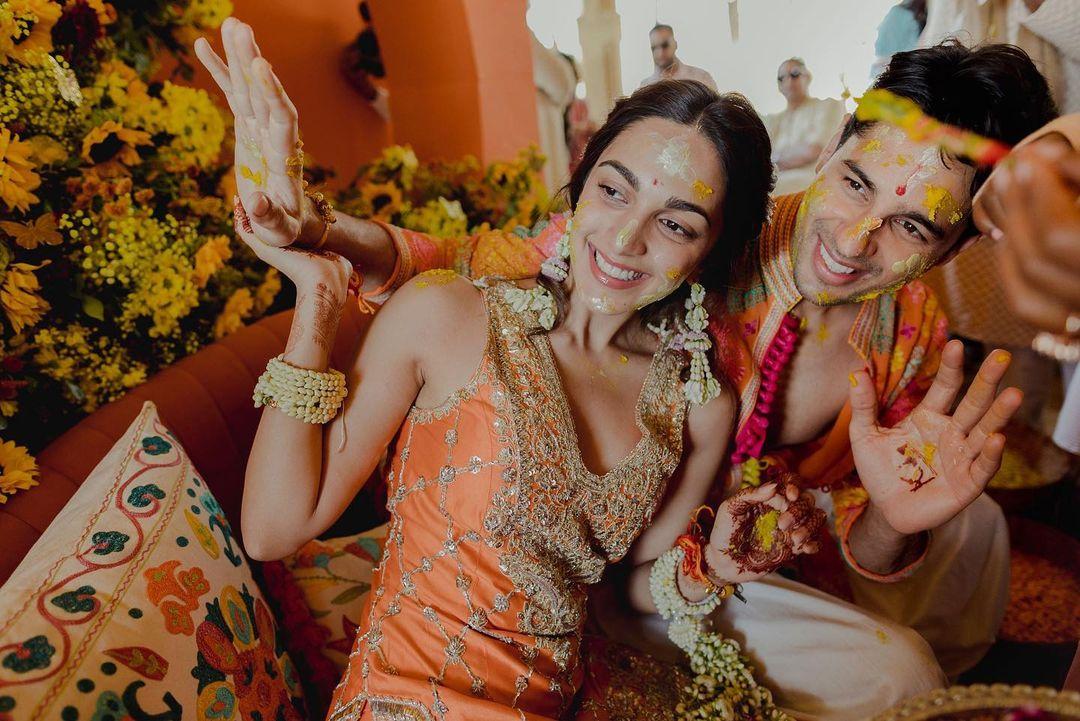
x,y
205,399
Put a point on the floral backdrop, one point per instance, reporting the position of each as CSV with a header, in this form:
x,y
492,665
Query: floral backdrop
x,y
116,251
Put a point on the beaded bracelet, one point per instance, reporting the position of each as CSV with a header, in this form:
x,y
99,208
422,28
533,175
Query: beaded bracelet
x,y
307,395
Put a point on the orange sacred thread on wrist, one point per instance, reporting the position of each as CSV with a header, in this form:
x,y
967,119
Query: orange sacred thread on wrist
x,y
692,544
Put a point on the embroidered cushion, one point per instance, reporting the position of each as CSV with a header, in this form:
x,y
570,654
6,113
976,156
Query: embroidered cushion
x,y
335,576
137,602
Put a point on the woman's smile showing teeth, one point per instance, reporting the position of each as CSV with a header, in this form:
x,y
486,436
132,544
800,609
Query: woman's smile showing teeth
x,y
612,274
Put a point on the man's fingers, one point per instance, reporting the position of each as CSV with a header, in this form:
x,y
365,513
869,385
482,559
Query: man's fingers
x,y
863,405
283,124
982,391
265,213
1029,304
948,381
238,72
245,46
1003,408
217,68
988,461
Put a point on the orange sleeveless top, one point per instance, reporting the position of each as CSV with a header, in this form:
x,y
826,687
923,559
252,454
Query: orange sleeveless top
x,y
496,528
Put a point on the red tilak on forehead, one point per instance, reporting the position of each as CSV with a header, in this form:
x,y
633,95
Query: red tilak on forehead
x,y
656,181
925,159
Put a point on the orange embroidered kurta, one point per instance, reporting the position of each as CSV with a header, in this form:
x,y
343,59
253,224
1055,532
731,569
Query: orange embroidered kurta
x,y
496,529
900,335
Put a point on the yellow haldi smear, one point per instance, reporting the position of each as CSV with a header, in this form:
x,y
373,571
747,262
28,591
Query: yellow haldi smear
x,y
625,233
435,276
929,450
940,200
865,227
672,274
765,529
701,190
871,146
824,298
252,175
912,264
813,195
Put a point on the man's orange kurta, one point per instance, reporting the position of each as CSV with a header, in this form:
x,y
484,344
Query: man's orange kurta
x,y
899,335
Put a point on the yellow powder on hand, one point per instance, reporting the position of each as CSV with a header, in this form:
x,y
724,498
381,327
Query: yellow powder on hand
x,y
765,528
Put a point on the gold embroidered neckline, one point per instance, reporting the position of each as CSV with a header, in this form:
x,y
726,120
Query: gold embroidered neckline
x,y
566,415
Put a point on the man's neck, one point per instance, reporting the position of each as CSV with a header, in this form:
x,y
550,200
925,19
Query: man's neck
x,y
670,70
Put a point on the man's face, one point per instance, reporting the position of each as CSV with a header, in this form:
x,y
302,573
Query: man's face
x,y
663,48
793,81
882,211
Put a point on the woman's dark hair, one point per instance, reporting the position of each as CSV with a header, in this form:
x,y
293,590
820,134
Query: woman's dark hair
x,y
730,123
994,90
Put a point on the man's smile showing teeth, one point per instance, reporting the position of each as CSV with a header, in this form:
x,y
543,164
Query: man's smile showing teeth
x,y
832,264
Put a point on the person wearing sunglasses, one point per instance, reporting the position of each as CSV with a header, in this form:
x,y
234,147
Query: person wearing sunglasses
x,y
802,129
667,65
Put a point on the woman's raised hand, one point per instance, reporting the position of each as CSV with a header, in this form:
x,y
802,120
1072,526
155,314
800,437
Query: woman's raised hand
x,y
268,159
759,529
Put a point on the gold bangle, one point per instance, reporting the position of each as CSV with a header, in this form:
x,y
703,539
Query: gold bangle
x,y
325,209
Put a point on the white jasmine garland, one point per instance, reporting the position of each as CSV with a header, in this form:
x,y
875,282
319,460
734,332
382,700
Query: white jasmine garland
x,y
723,687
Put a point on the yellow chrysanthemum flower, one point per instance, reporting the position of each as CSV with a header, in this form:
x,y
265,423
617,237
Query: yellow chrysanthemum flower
x,y
121,85
18,469
210,258
237,307
17,176
26,27
94,370
112,141
19,298
207,14
194,121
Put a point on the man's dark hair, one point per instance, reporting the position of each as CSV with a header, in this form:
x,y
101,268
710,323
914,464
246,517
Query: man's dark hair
x,y
741,143
662,26
994,90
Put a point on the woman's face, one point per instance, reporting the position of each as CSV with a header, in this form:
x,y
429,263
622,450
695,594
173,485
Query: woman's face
x,y
648,215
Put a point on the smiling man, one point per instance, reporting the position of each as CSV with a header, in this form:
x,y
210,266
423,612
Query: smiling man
x,y
832,343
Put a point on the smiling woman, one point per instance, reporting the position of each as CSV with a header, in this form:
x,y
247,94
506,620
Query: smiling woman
x,y
654,181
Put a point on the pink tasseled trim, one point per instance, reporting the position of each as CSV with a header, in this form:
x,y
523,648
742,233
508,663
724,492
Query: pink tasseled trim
x,y
751,440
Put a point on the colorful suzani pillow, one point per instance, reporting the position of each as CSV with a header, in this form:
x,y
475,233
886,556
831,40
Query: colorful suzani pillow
x,y
334,577
138,603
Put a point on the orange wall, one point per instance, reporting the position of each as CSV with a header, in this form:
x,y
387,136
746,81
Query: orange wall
x,y
303,41
459,74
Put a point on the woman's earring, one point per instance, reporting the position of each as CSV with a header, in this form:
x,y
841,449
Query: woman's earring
x,y
702,386
557,267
